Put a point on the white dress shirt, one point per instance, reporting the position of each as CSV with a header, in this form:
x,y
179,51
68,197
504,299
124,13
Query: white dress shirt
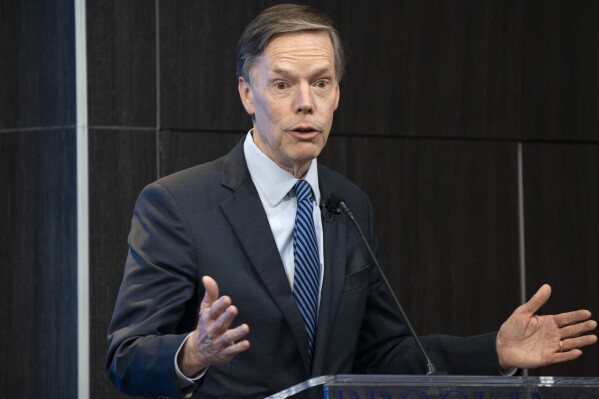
x,y
275,188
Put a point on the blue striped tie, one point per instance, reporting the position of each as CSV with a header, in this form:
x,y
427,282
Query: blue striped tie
x,y
307,262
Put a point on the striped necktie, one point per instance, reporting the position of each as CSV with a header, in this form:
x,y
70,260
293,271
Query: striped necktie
x,y
307,262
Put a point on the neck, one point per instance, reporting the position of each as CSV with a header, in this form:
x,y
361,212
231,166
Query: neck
x,y
297,170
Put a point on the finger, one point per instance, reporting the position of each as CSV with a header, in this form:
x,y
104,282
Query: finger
x,y
567,356
232,336
537,300
220,307
233,350
565,319
211,292
575,330
578,342
226,317
236,334
221,319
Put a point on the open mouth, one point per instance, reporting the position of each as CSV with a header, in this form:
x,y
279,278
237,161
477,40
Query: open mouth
x,y
304,130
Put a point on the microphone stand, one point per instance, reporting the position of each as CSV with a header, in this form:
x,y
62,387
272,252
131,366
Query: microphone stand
x,y
430,367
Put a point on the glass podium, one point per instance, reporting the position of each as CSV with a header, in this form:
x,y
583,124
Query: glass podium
x,y
446,387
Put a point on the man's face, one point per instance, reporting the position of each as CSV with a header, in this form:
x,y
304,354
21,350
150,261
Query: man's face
x,y
292,95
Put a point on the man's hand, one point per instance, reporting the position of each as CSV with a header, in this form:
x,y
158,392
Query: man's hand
x,y
213,342
527,340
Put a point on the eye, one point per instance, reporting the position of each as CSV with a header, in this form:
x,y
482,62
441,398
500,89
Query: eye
x,y
322,84
281,85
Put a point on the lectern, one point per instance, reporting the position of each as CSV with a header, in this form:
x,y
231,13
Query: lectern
x,y
447,387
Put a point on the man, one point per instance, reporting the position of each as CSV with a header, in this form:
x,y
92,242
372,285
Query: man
x,y
243,224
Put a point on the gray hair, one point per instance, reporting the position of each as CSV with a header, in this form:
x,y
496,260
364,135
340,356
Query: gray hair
x,y
280,19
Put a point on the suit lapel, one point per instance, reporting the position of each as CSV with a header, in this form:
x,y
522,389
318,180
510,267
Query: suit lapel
x,y
334,237
245,213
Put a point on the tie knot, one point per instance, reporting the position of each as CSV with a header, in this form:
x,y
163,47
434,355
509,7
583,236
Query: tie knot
x,y
303,190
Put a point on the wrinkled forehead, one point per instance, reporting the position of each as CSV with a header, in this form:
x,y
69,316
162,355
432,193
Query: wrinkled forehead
x,y
313,48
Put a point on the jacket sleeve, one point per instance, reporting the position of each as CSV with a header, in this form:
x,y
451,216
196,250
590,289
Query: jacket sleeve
x,y
157,303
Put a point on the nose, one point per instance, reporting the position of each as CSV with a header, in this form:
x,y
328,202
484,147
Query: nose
x,y
303,99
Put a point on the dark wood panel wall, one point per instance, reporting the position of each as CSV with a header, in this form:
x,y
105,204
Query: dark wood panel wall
x,y
38,214
438,98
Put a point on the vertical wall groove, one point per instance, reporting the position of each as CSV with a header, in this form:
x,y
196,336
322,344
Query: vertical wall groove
x,y
83,357
521,230
158,124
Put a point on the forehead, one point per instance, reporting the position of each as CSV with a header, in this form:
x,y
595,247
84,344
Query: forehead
x,y
306,48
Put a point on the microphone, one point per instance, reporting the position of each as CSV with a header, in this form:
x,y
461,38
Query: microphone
x,y
331,212
336,202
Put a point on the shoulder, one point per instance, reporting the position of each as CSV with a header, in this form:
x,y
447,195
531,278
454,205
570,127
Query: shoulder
x,y
203,175
211,180
199,187
230,170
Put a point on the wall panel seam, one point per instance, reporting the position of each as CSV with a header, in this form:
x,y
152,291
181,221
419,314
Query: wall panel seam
x,y
158,121
83,336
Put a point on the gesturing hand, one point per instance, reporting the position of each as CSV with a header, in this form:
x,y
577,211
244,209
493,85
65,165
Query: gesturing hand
x,y
212,342
527,340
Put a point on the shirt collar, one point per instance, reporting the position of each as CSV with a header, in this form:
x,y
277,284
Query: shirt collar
x,y
273,181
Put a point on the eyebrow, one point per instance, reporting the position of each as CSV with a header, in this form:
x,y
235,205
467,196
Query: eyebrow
x,y
288,73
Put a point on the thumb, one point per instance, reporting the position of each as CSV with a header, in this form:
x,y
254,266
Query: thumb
x,y
211,292
538,299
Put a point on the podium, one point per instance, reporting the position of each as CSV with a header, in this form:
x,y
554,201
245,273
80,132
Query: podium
x,y
446,387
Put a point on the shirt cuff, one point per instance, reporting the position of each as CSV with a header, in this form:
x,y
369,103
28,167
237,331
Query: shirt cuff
x,y
184,381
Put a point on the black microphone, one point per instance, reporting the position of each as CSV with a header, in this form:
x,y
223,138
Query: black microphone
x,y
336,202
331,212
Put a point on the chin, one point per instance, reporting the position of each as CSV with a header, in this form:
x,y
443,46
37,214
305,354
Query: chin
x,y
306,156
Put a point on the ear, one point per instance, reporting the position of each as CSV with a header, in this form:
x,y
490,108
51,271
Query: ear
x,y
246,95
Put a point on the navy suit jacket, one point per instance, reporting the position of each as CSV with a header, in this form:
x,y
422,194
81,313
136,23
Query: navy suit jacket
x,y
208,220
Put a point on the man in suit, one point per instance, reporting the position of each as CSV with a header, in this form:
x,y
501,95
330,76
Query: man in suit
x,y
229,227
